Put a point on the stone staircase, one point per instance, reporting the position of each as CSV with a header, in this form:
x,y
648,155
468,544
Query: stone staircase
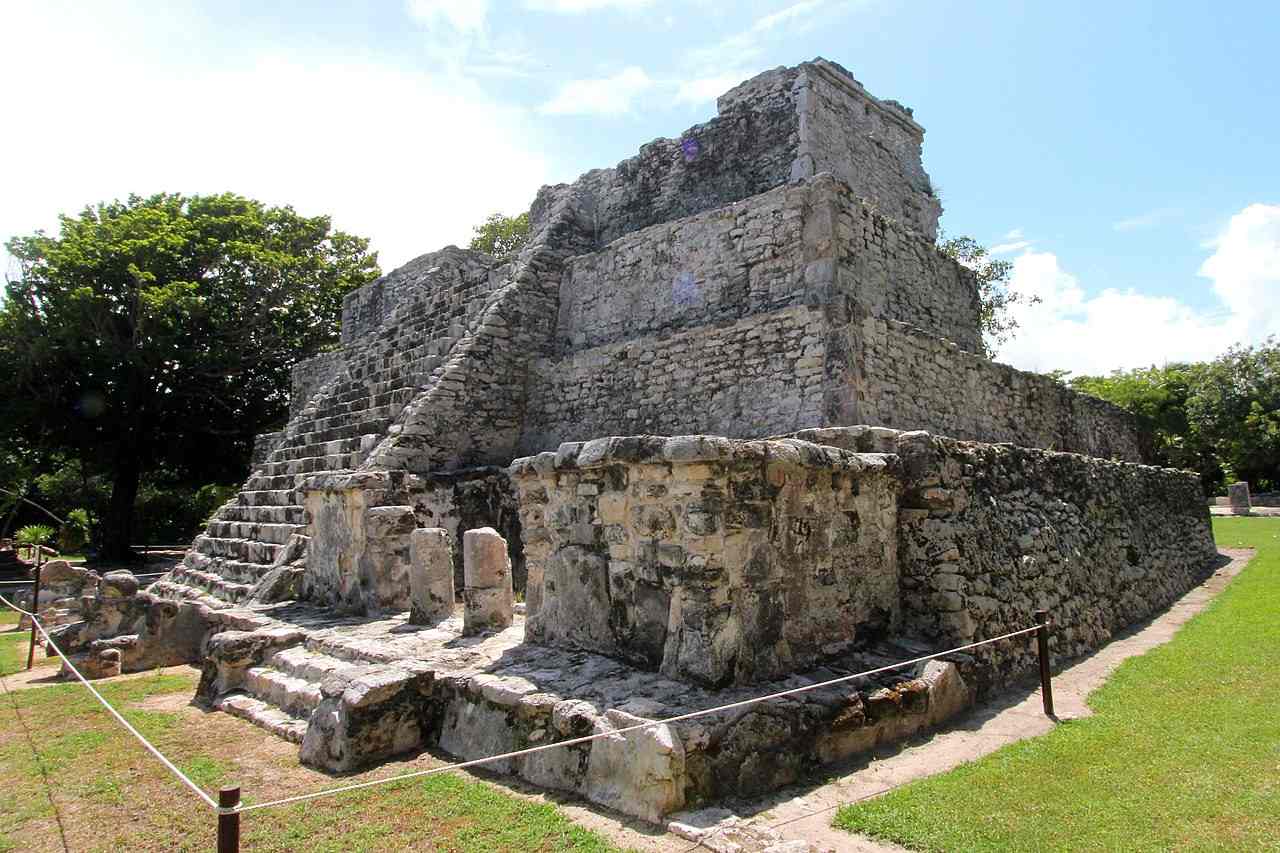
x,y
281,694
265,525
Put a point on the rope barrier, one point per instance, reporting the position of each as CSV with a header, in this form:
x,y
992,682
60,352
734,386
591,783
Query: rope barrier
x,y
28,583
625,729
186,780
238,808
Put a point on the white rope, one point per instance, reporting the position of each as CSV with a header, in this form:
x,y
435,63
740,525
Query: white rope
x,y
166,762
626,729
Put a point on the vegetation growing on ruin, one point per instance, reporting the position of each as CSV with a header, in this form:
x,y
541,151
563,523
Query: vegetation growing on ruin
x,y
501,236
1180,754
995,298
153,337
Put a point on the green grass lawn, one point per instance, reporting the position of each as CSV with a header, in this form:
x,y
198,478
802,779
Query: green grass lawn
x,y
1182,753
89,785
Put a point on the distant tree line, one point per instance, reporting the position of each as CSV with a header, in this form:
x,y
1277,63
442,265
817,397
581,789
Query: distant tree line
x,y
1219,418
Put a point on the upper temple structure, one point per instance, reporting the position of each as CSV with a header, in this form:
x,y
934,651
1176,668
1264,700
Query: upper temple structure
x,y
723,424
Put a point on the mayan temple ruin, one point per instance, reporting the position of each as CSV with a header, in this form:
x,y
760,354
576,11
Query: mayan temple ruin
x,y
722,428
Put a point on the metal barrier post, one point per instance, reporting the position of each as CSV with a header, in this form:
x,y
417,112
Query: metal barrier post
x,y
1042,641
35,608
229,824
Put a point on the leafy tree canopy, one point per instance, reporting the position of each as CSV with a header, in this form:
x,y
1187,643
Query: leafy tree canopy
x,y
994,296
1220,418
161,330
501,236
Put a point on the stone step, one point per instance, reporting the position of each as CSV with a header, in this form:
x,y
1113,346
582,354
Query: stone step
x,y
263,715
303,663
256,531
236,571
244,550
259,481
295,696
180,590
269,497
210,583
291,515
311,464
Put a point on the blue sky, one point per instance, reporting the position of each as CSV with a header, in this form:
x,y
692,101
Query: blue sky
x,y
1122,155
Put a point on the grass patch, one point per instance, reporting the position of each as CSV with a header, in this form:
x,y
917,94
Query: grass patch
x,y
13,652
1183,751
91,781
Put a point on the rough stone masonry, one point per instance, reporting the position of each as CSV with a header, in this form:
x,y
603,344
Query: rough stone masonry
x,y
724,425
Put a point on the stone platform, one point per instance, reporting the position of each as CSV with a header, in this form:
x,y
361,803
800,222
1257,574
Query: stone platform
x,y
357,690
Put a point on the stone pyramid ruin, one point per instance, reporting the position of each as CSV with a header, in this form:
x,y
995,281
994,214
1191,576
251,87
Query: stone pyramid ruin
x,y
723,426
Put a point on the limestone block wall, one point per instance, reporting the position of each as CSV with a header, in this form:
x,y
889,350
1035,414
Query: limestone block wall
x,y
758,376
990,533
714,561
885,373
472,411
884,270
746,258
782,125
872,145
718,323
748,148
358,554
308,375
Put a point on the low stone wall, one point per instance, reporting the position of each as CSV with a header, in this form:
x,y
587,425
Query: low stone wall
x,y
890,374
358,554
714,561
990,533
725,562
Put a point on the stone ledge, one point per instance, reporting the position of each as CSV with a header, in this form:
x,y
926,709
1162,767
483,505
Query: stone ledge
x,y
693,449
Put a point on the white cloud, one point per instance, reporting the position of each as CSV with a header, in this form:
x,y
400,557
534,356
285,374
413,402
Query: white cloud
x,y
574,7
1245,268
1010,248
604,96
1115,329
1014,234
465,16
744,46
411,160
704,89
1150,219
782,16
1122,329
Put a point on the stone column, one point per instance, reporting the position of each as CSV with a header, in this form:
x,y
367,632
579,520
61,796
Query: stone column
x,y
1238,498
486,570
430,576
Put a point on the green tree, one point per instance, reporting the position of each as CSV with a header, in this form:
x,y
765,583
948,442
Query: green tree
x,y
501,236
160,331
995,299
1219,418
1234,408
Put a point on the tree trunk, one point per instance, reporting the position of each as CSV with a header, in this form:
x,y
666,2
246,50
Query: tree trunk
x,y
117,527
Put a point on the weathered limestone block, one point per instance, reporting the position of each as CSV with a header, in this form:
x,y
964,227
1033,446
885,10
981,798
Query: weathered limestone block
x,y
382,711
712,560
430,576
488,595
384,563
639,772
1238,498
228,655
